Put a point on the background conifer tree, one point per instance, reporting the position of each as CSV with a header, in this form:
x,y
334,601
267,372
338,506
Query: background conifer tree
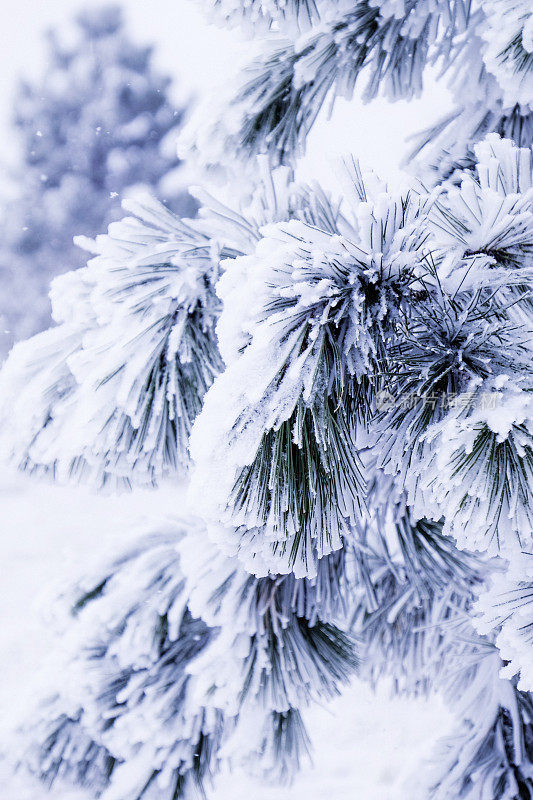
x,y
99,122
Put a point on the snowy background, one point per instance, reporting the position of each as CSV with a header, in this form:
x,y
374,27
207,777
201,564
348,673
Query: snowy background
x,y
365,744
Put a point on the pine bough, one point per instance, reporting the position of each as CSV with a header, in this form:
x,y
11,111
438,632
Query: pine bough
x,y
348,381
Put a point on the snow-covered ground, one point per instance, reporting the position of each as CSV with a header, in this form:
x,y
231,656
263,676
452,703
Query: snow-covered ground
x,y
365,745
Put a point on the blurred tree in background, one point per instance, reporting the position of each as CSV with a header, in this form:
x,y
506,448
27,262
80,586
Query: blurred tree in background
x,y
97,126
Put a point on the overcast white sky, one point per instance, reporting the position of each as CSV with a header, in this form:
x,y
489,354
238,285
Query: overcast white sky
x,y
200,56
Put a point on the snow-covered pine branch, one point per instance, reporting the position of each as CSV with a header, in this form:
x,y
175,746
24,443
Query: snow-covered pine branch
x,y
463,441
413,613
264,14
357,376
165,670
318,309
412,599
119,410
492,82
505,609
275,442
130,401
508,33
489,752
386,45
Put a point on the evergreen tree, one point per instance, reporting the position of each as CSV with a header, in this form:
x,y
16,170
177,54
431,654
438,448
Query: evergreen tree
x,y
355,374
97,123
